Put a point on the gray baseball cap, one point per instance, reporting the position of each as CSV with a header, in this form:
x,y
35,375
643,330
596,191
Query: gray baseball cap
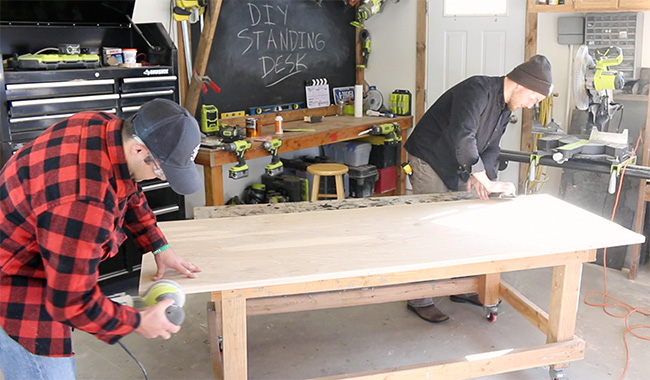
x,y
173,137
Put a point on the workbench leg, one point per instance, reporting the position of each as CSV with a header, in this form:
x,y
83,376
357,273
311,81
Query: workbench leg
x,y
488,288
233,324
213,185
215,334
563,308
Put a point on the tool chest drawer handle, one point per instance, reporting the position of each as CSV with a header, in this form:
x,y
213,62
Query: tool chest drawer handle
x,y
24,103
149,79
77,83
166,210
54,116
150,93
130,109
155,186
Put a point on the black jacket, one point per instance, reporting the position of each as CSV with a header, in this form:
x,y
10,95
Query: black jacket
x,y
460,133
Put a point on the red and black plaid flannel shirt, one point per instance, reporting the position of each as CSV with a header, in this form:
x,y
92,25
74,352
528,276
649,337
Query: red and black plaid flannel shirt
x,y
64,199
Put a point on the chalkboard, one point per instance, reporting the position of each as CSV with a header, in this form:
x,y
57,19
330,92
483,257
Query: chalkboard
x,y
263,52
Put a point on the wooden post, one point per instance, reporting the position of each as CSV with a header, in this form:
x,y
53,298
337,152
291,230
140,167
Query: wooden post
x,y
233,325
488,288
191,99
639,215
420,60
563,309
526,142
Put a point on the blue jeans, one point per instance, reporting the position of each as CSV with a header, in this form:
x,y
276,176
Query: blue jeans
x,y
16,363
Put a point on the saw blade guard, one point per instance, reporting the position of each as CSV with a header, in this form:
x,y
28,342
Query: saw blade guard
x,y
581,64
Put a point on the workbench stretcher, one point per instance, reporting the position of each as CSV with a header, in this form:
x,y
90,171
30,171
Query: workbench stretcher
x,y
329,259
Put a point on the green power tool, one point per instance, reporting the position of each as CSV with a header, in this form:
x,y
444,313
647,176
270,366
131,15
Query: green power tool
x,y
158,291
391,131
275,167
239,147
366,44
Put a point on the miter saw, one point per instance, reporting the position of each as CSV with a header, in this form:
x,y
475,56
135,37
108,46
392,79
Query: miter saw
x,y
594,83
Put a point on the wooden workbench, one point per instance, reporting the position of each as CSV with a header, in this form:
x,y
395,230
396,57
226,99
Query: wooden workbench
x,y
332,129
267,264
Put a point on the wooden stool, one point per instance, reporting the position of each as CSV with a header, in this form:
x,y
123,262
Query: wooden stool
x,y
336,170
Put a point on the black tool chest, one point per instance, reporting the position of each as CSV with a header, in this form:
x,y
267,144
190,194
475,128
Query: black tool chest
x,y
33,100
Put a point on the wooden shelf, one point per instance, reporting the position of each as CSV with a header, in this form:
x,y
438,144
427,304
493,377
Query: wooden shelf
x,y
540,8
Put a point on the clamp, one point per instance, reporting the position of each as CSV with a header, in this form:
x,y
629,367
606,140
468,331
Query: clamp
x,y
203,79
615,172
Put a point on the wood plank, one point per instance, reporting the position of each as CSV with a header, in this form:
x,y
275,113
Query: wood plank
x,y
303,250
530,49
533,313
472,366
198,285
233,314
293,115
643,197
563,309
364,296
213,177
327,205
330,130
421,60
215,332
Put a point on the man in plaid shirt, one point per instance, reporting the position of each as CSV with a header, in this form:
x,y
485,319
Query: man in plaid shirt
x,y
65,199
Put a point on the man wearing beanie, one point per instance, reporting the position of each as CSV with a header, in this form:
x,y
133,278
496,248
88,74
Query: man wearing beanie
x,y
66,198
456,143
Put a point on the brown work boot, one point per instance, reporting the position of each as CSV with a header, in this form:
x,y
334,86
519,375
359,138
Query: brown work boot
x,y
429,313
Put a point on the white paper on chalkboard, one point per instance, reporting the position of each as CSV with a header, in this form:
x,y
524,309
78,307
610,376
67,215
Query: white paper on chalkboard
x,y
317,93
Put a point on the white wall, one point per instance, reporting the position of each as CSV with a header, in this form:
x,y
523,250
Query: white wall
x,y
155,11
393,56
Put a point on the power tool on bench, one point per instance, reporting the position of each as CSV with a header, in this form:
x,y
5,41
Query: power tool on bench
x,y
275,167
158,291
239,147
391,131
231,134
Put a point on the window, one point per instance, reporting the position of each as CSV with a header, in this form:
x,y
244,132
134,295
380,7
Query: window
x,y
475,8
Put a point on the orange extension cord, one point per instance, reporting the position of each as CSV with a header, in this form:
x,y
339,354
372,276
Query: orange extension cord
x,y
629,309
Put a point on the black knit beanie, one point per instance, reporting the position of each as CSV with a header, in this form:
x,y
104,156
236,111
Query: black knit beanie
x,y
534,74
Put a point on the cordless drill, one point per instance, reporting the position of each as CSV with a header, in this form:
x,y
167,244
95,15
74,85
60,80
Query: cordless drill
x,y
391,131
239,147
275,167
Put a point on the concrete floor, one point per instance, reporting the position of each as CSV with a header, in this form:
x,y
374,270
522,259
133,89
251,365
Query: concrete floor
x,y
329,342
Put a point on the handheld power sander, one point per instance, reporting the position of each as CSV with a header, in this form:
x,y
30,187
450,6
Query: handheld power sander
x,y
158,291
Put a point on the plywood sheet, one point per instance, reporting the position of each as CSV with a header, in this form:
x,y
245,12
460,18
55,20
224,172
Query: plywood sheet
x,y
266,250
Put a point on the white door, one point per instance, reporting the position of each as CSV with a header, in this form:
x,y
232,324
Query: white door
x,y
462,46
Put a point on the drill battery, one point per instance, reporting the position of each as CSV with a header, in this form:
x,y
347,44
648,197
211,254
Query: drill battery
x,y
400,102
